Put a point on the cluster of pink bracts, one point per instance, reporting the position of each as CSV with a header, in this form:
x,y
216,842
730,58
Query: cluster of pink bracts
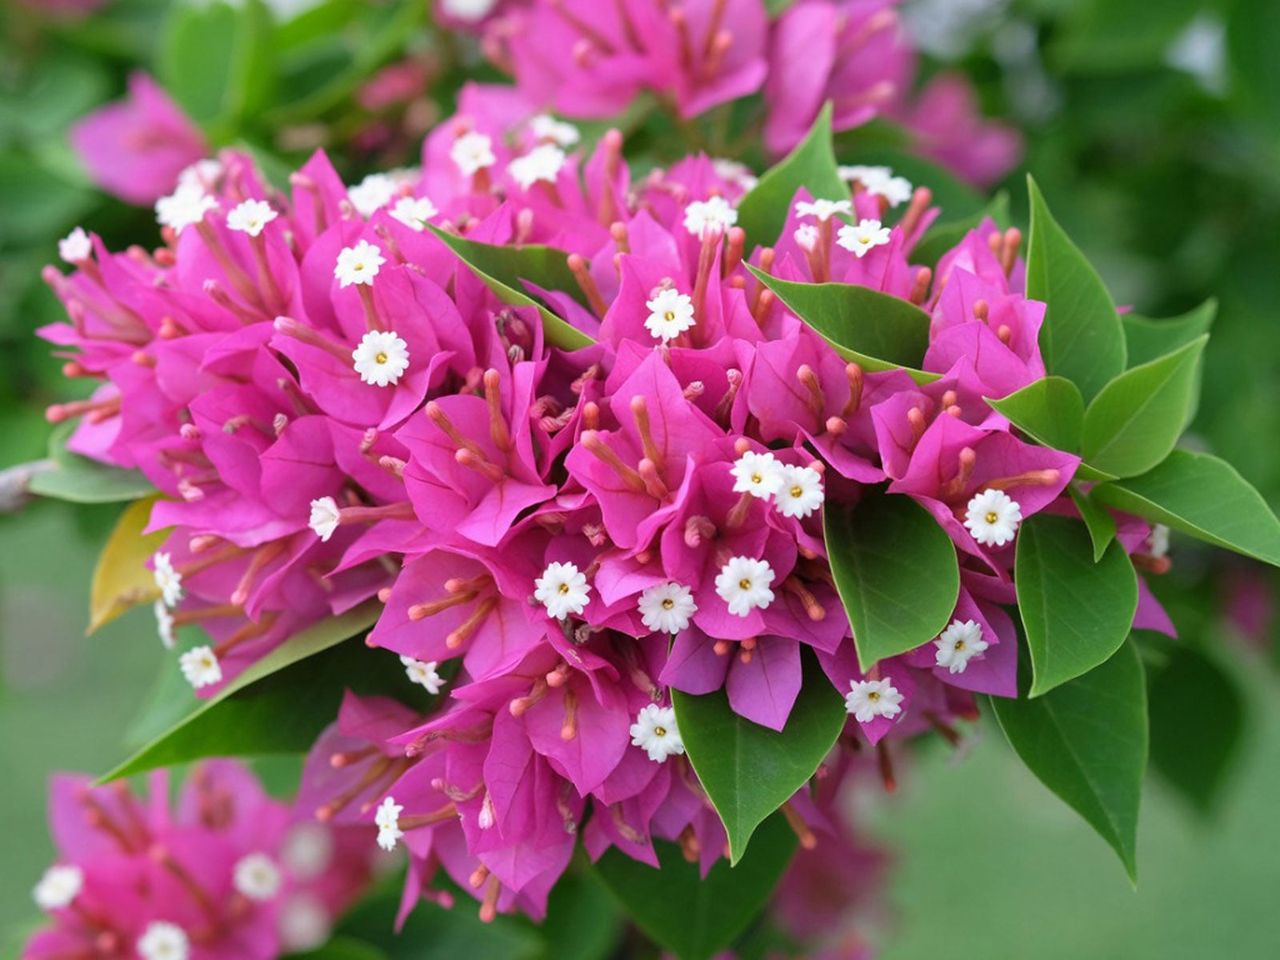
x,y
336,409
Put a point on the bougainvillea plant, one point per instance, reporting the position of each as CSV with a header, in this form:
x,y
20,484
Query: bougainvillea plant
x,y
572,519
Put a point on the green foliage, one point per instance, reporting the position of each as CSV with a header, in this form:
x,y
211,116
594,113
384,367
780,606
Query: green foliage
x,y
1049,411
81,480
947,233
1087,742
1099,522
896,572
1149,339
747,770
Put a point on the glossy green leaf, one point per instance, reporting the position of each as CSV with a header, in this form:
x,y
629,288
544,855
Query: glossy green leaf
x,y
504,268
217,59
692,917
1076,612
747,770
81,480
1149,339
762,213
1050,411
1100,523
1087,742
1204,497
582,920
873,329
279,705
1136,419
1082,338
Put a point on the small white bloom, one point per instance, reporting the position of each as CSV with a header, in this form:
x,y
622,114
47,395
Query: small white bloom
x,y
164,624
307,850
200,666
59,886
358,264
388,820
743,584
562,589
897,190
201,175
800,493
382,358
164,941
372,193
806,237
759,474
864,174
257,877
866,236
184,207
709,218
542,163
75,246
414,212
304,923
548,128
250,217
1158,541
958,644
168,579
670,314
324,518
667,607
992,518
472,152
467,10
655,732
868,699
731,171
824,210
423,674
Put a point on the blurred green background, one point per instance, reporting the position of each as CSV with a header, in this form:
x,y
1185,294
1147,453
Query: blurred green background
x,y
1154,129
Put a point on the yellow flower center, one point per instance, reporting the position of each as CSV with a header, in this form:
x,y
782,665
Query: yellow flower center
x,y
797,492
744,584
380,357
992,516
660,731
563,588
668,603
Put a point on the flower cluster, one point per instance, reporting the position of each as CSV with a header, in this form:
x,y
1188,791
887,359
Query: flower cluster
x,y
228,874
566,510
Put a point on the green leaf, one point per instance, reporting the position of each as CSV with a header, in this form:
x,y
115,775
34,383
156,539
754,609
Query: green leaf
x,y
1204,497
1149,339
1081,338
692,917
762,213
1087,742
946,234
1137,418
503,268
279,705
81,480
896,572
747,770
341,948
582,919
1100,523
873,329
1076,612
121,579
1049,411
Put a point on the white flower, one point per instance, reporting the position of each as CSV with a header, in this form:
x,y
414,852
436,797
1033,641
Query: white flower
x,y
824,210
744,583
257,877
759,474
472,152
164,624
168,579
731,171
542,163
864,174
423,674
250,217
562,589
184,207
655,732
709,218
164,941
806,237
75,246
372,193
547,127
467,10
307,850
200,666
324,518
202,175
59,886
958,644
358,264
1158,541
388,820
304,923
414,212
897,190
866,236
993,517
800,493
868,699
382,358
670,314
667,607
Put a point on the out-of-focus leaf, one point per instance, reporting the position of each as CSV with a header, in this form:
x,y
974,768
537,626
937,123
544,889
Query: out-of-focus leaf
x,y
341,948
121,579
1149,339
945,234
82,480
582,920
36,203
